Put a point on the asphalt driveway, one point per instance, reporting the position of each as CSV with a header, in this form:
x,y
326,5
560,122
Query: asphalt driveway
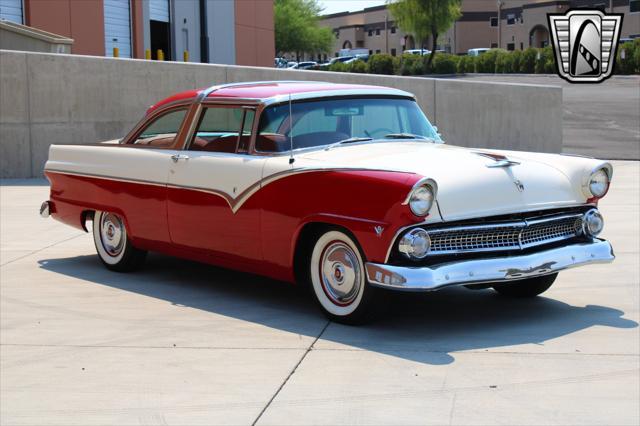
x,y
600,120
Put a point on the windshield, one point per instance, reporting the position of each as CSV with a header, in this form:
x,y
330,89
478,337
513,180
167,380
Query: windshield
x,y
326,122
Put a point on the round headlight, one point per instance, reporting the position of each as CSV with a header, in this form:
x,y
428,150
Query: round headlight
x,y
599,183
421,200
592,223
415,244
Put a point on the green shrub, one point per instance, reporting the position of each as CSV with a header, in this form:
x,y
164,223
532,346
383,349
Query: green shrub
x,y
631,62
339,67
444,63
486,62
545,62
528,61
359,67
502,57
466,64
381,64
406,64
516,58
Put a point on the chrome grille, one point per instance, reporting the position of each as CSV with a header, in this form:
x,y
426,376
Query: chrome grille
x,y
513,235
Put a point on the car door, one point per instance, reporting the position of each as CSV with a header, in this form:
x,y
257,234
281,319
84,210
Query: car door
x,y
145,169
209,207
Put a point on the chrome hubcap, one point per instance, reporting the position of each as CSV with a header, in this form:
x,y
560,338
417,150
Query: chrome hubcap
x,y
340,273
112,234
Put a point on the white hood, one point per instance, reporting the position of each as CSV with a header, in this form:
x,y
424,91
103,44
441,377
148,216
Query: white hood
x,y
467,188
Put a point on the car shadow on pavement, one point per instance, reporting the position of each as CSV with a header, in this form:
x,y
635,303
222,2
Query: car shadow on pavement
x,y
421,327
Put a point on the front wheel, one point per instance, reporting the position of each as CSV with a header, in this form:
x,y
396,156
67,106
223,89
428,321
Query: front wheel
x,y
529,287
113,245
338,279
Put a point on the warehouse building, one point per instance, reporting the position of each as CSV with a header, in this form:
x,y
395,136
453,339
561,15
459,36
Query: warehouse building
x,y
213,31
509,24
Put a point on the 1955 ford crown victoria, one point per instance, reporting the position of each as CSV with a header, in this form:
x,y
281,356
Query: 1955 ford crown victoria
x,y
346,188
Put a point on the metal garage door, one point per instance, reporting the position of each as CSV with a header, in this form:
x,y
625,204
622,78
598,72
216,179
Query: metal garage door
x,y
159,10
117,27
11,10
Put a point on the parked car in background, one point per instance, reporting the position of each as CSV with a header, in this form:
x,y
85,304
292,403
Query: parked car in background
x,y
342,188
280,62
359,57
304,65
336,59
478,51
422,52
292,64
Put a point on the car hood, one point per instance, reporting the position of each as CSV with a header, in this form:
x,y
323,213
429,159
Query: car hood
x,y
467,186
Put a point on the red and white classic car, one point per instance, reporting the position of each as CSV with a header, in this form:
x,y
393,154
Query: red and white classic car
x,y
345,188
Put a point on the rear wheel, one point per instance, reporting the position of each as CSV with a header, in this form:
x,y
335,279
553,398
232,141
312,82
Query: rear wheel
x,y
529,287
113,245
338,279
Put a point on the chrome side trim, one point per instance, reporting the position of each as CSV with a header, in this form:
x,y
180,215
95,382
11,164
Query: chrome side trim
x,y
234,202
498,269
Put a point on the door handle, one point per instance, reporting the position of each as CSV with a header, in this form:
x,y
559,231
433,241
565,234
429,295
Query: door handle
x,y
176,157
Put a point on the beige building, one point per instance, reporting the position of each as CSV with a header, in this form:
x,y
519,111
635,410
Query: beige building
x,y
509,24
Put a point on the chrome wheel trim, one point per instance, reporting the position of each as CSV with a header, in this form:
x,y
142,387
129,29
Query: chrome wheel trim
x,y
340,273
112,234
114,254
322,295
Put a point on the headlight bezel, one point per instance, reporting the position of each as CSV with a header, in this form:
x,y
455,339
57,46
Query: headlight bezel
x,y
602,171
407,241
418,190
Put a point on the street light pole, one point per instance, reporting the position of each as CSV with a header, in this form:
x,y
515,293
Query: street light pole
x,y
500,2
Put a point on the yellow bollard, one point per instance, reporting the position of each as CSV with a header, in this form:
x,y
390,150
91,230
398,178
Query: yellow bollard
x,y
185,55
147,54
116,52
160,55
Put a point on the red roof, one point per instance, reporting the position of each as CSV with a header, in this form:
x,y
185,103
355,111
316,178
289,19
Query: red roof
x,y
264,91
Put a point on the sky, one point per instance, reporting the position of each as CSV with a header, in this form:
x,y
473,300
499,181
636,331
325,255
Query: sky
x,y
335,6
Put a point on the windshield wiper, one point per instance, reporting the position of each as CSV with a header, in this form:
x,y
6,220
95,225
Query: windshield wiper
x,y
404,136
349,140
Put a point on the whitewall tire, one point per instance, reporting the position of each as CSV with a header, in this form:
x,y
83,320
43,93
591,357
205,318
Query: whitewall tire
x,y
338,278
113,245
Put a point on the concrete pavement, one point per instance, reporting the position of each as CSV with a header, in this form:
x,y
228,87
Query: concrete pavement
x,y
184,343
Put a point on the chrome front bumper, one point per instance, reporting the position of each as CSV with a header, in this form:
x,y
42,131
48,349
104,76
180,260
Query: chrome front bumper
x,y
498,269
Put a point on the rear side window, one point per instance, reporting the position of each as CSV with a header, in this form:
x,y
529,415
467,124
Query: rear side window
x,y
162,131
223,129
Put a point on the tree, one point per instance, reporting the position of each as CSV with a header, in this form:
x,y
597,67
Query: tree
x,y
297,29
424,18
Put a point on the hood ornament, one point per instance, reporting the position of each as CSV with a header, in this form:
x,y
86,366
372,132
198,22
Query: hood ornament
x,y
499,160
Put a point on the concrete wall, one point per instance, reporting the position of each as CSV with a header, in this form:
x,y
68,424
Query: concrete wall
x,y
57,99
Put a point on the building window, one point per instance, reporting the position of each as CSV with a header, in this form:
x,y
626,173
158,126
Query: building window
x,y
511,19
511,46
370,52
370,33
393,30
493,22
393,52
377,51
634,6
494,45
378,31
521,46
